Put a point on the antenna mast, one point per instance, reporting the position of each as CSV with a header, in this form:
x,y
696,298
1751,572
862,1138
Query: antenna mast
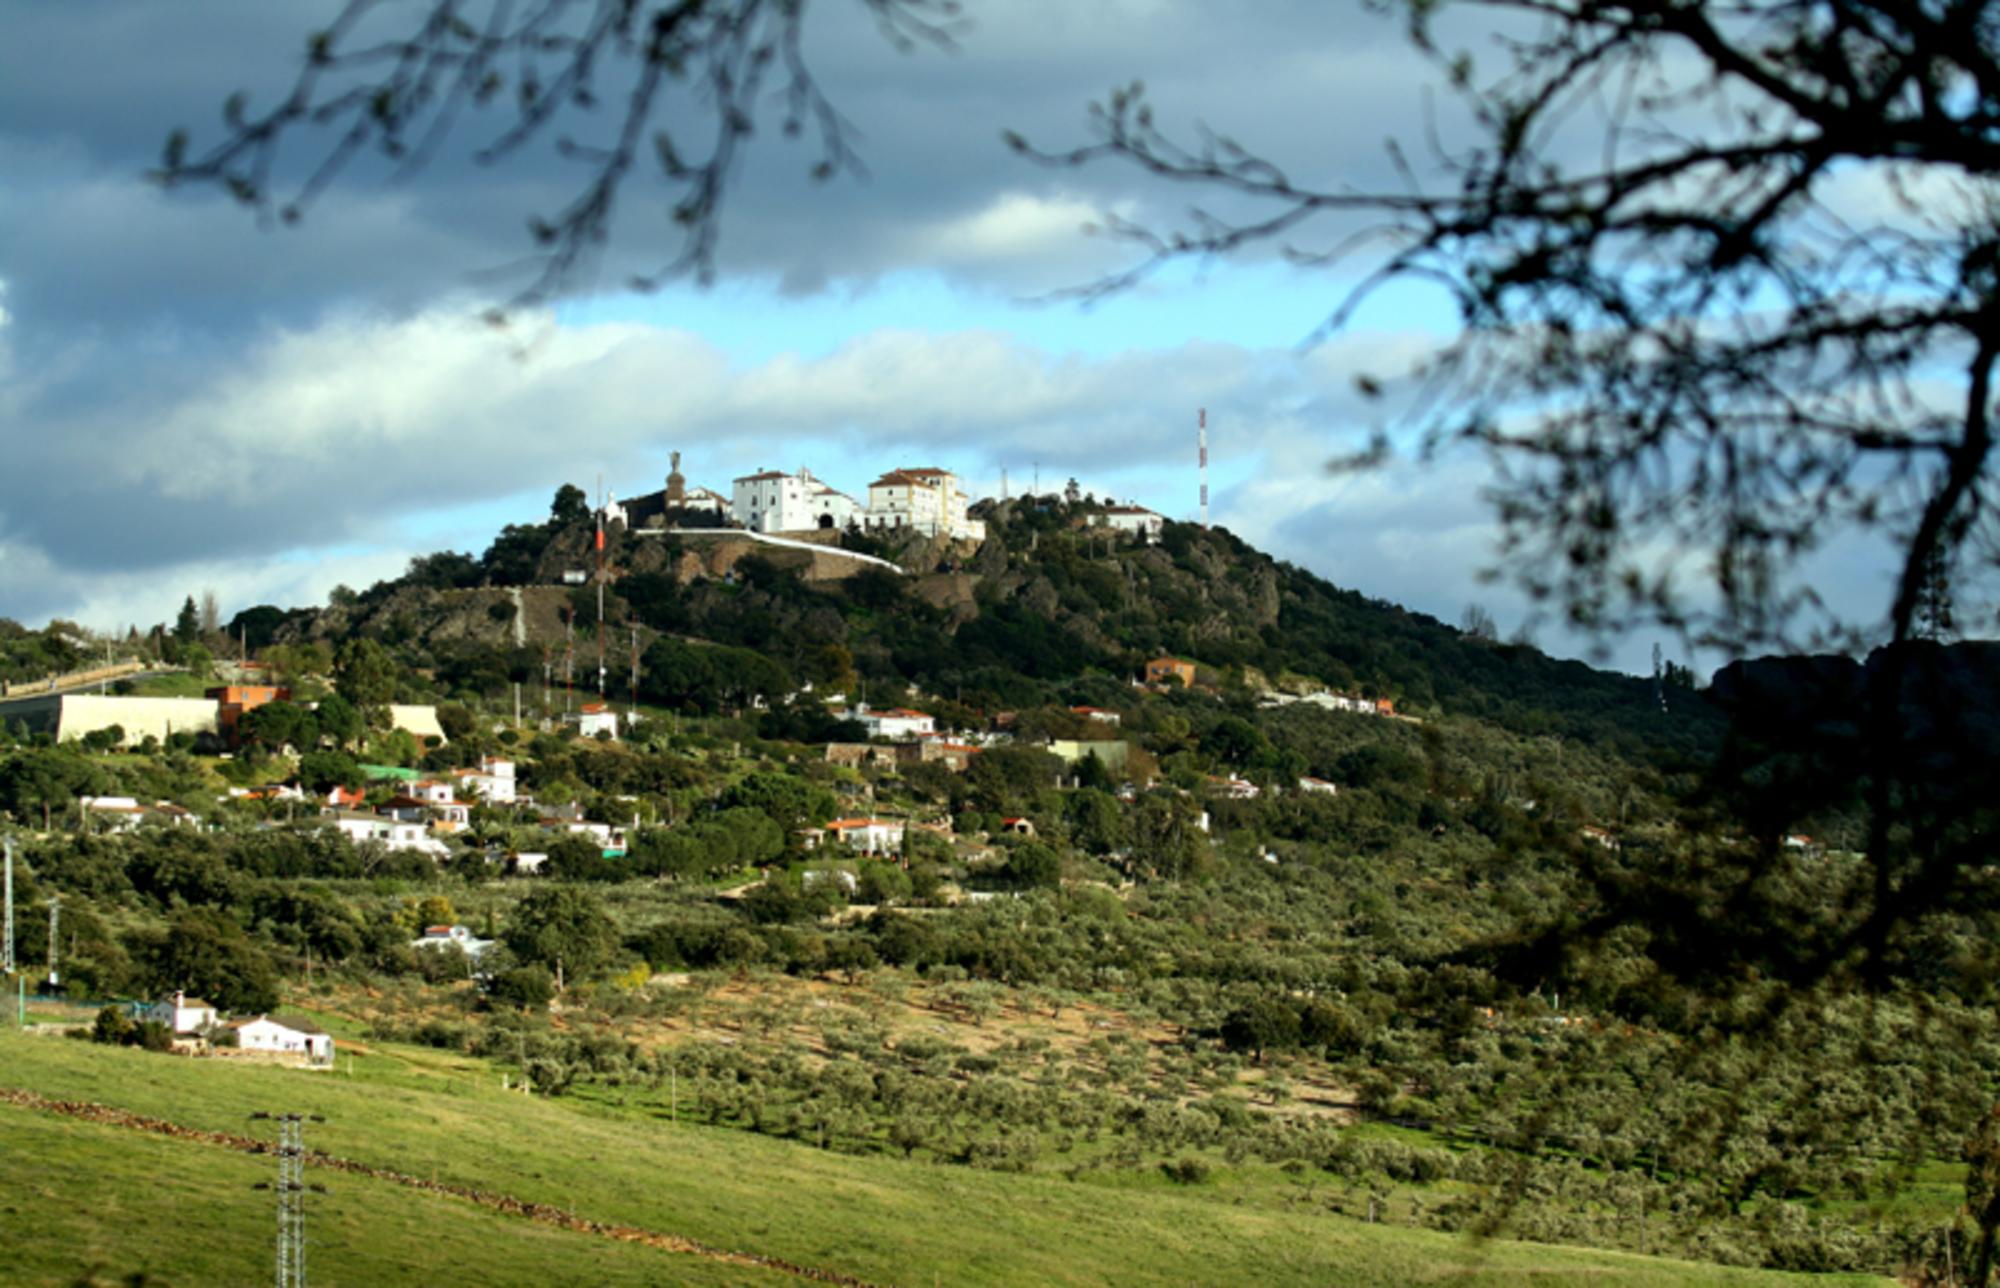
x,y
600,585
1201,442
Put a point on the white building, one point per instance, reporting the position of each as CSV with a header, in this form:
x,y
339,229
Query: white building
x,y
460,937
184,1014
595,718
287,1034
1320,785
927,499
492,782
770,501
898,722
395,833
868,835
1134,519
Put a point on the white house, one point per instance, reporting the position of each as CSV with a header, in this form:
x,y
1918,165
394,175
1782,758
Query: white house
x,y
606,836
287,1034
123,813
493,781
897,722
1319,785
460,937
183,1014
1103,715
1134,519
868,835
395,833
926,499
420,804
595,718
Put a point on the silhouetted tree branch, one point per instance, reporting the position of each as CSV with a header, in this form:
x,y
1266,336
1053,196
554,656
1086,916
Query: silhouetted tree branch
x,y
692,79
1701,349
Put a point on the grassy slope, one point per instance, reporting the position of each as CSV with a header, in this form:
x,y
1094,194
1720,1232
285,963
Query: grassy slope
x,y
80,1197
877,1218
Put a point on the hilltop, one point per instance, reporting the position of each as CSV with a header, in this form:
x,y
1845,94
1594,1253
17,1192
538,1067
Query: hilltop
x,y
1049,605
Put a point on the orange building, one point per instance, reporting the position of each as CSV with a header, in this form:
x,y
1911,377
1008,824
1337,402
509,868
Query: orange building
x,y
232,700
1161,670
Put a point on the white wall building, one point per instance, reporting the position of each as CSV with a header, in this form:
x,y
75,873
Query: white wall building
x,y
397,834
770,501
926,499
184,1014
294,1036
460,937
898,722
868,835
1134,519
595,718
492,782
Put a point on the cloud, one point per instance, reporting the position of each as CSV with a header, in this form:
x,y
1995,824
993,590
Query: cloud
x,y
335,436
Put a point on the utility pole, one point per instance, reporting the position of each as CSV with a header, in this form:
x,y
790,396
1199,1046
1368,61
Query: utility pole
x,y
634,703
291,1187
55,916
7,944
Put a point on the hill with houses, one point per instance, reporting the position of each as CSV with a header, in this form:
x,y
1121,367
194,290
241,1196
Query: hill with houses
x,y
1123,860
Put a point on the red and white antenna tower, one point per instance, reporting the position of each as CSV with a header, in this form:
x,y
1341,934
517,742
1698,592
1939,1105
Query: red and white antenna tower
x,y
1201,442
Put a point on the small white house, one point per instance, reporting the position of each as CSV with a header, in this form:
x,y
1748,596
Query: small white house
x,y
595,718
460,937
284,1034
1319,785
183,1014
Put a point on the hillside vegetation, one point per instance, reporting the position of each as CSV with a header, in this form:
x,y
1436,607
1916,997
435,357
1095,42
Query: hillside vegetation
x,y
1519,952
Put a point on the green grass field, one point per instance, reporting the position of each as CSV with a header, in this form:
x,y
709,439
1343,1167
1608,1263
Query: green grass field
x,y
78,1195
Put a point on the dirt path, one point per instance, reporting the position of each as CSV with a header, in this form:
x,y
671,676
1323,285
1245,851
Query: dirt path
x,y
113,1117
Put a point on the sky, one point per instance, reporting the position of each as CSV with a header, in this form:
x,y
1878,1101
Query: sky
x,y
191,401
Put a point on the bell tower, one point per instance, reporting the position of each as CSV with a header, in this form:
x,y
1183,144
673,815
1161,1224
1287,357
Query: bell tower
x,y
676,495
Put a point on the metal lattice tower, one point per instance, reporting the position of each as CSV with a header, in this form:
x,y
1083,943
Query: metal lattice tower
x,y
291,1190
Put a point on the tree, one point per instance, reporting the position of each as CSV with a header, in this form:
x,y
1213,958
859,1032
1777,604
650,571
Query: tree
x,y
339,721
570,506
204,952
187,626
364,674
1714,419
565,929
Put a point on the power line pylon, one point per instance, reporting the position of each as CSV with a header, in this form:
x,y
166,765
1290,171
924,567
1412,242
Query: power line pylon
x,y
291,1188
